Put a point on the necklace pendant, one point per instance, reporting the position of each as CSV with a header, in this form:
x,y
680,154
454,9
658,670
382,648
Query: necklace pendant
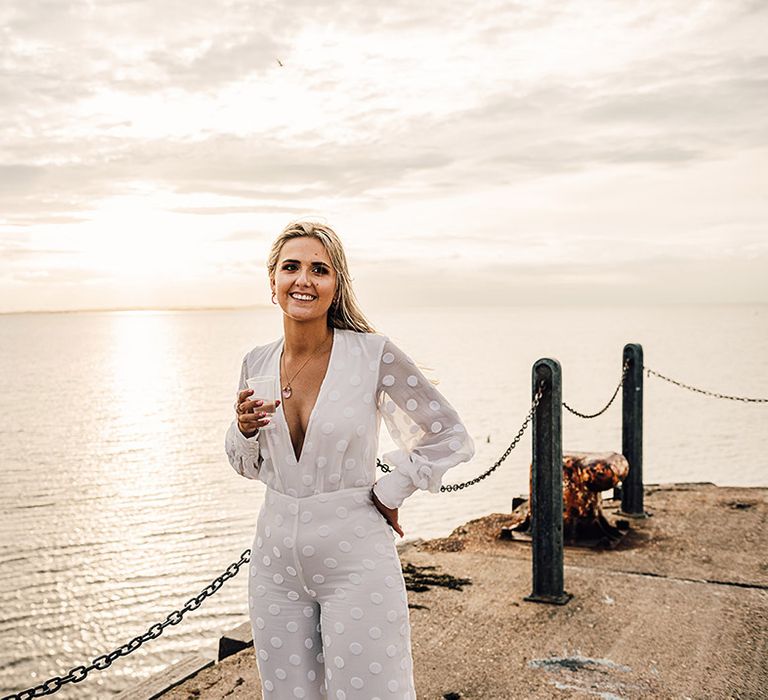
x,y
287,391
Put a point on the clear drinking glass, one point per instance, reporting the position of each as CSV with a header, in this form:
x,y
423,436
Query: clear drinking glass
x,y
265,389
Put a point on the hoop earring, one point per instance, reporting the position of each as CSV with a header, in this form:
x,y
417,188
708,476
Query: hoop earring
x,y
274,300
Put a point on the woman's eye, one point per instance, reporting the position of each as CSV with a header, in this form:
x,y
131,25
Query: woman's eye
x,y
316,269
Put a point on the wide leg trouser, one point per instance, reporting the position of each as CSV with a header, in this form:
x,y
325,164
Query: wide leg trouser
x,y
327,600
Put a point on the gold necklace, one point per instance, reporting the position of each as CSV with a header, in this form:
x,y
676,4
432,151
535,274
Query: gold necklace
x,y
287,390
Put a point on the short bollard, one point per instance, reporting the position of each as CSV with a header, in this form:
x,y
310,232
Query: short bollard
x,y
547,488
632,432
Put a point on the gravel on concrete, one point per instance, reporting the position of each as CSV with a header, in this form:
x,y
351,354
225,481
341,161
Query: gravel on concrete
x,y
679,609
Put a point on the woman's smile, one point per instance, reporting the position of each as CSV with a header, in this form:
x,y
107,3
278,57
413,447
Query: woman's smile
x,y
304,280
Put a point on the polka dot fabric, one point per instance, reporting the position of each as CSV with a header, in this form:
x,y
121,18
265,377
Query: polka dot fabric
x,y
368,378
426,428
328,603
327,598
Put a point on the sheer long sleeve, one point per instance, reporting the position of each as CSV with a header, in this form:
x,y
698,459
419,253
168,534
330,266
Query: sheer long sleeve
x,y
426,428
243,453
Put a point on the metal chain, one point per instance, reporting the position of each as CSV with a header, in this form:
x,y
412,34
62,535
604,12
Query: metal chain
x,y
447,488
100,663
703,391
79,673
607,406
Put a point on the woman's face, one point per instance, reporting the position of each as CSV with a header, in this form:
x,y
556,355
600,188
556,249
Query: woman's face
x,y
304,281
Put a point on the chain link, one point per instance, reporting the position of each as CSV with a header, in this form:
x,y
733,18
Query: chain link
x,y
100,663
713,394
79,673
447,488
608,405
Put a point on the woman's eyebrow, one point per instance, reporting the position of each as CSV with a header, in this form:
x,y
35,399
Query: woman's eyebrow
x,y
298,262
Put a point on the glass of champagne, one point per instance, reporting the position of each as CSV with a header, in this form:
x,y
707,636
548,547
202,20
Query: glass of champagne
x,y
264,389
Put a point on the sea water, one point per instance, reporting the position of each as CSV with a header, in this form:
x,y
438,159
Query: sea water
x,y
117,503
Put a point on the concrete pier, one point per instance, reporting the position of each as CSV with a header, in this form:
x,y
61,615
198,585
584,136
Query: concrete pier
x,y
679,609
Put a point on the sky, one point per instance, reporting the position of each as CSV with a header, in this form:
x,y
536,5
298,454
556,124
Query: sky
x,y
467,153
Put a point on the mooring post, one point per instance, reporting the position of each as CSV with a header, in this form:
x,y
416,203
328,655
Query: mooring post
x,y
547,487
632,431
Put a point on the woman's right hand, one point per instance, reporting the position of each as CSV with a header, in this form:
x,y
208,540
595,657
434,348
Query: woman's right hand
x,y
390,514
249,420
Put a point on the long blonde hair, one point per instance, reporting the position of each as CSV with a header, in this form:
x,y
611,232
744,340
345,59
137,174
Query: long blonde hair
x,y
344,312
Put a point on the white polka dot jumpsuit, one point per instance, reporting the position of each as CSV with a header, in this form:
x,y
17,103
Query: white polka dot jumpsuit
x,y
326,593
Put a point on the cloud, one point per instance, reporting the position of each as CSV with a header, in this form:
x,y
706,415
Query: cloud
x,y
61,276
221,164
629,282
219,61
18,177
679,107
519,122
728,97
242,209
245,236
11,251
622,119
43,219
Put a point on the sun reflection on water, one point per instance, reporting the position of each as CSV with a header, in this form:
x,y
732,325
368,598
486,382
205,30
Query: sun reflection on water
x,y
142,380
140,393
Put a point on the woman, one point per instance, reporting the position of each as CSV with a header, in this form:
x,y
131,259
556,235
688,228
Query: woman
x,y
327,598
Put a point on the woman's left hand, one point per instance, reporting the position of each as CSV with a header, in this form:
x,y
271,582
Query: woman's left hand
x,y
390,514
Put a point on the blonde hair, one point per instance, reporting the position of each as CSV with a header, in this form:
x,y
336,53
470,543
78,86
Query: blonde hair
x,y
344,312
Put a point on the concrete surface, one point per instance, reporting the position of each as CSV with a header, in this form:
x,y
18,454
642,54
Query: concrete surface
x,y
678,610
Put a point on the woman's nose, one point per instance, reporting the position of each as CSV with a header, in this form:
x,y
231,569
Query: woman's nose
x,y
303,278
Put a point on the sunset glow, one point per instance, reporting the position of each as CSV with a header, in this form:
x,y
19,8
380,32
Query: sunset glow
x,y
152,162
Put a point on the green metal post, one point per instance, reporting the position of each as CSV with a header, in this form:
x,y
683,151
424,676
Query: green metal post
x,y
632,432
547,488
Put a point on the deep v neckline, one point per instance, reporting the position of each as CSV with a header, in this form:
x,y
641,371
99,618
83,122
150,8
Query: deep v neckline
x,y
320,391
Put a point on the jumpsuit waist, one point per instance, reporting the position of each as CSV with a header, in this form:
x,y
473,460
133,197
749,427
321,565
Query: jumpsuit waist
x,y
355,497
327,536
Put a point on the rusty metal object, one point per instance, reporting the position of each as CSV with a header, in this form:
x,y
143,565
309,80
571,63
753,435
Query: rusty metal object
x,y
585,476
